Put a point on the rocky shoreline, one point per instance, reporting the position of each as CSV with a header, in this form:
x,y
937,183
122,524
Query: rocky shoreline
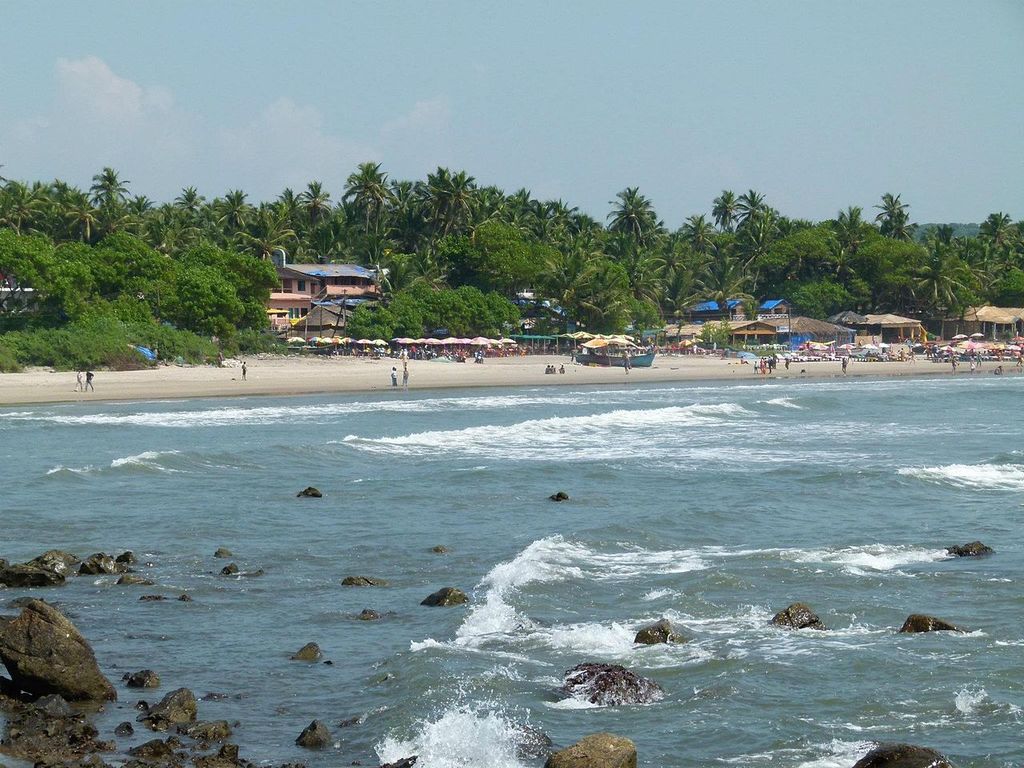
x,y
55,688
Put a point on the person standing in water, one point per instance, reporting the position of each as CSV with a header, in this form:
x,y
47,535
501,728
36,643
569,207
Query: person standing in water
x,y
846,362
394,376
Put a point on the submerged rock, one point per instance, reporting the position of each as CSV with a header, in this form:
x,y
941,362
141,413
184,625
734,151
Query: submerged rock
x,y
368,614
223,552
145,678
902,756
308,652
310,493
27,575
133,579
210,730
660,631
797,616
363,581
599,750
532,743
446,596
176,708
440,549
100,563
919,622
609,685
405,762
56,560
972,549
45,653
229,570
125,558
152,598
50,733
124,729
559,496
314,736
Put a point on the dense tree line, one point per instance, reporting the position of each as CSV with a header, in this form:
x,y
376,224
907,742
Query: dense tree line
x,y
447,232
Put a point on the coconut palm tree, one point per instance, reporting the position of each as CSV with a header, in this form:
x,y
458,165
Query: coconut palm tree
x,y
997,229
893,217
724,210
449,200
269,230
108,188
724,279
698,233
234,213
316,201
82,219
368,191
748,205
851,229
633,214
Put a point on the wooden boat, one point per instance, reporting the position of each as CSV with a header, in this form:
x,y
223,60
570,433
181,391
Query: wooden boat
x,y
611,359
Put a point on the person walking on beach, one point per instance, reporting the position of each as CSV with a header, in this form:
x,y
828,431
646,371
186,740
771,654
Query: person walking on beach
x,y
405,374
846,362
79,387
244,370
88,381
625,364
394,376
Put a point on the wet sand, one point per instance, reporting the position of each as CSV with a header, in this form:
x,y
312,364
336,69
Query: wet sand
x,y
294,375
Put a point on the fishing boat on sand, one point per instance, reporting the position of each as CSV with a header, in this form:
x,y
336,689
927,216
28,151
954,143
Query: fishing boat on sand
x,y
612,352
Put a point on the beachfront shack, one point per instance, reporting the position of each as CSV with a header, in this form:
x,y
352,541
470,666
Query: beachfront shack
x,y
753,332
798,330
886,327
991,322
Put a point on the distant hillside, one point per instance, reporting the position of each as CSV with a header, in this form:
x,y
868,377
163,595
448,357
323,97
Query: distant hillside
x,y
959,230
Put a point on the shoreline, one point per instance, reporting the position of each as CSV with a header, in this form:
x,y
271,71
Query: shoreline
x,y
286,376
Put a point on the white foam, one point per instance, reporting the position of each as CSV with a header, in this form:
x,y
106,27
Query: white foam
x,y
871,557
783,402
609,435
996,477
839,754
657,594
967,701
461,737
147,459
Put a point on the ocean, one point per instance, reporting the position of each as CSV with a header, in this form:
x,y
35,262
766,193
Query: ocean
x,y
712,506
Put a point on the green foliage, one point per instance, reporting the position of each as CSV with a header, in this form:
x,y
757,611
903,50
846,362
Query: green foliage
x,y
716,333
820,299
8,359
496,258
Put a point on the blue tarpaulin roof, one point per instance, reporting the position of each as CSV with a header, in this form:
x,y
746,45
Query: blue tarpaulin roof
x,y
712,306
772,303
146,352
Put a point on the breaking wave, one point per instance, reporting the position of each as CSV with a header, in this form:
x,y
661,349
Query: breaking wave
x,y
872,557
997,477
462,736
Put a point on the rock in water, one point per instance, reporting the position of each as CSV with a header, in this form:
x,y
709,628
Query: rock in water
x,y
368,614
532,743
223,552
609,685
154,751
131,579
145,678
660,631
211,730
55,560
44,653
124,729
797,616
176,708
363,581
126,558
28,575
902,756
314,736
560,496
310,493
99,563
50,734
308,652
973,549
440,549
446,596
919,622
229,570
405,762
599,750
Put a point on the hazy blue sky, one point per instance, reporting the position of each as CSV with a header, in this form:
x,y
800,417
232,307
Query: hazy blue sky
x,y
819,105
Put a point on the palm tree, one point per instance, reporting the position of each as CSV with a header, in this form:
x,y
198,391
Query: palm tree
x,y
316,201
20,206
997,229
269,232
449,200
851,229
108,188
939,281
234,211
725,210
748,205
894,218
698,234
725,279
81,217
190,201
368,191
633,214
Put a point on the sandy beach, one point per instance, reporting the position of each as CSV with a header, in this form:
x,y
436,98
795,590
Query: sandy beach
x,y
293,375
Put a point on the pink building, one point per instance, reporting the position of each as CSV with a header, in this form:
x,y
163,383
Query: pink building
x,y
304,286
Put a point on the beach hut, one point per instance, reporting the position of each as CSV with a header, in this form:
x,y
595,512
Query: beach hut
x,y
753,331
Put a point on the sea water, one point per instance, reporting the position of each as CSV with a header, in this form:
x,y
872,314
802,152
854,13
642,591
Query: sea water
x,y
713,506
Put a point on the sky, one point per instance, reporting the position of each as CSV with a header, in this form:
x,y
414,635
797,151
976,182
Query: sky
x,y
817,105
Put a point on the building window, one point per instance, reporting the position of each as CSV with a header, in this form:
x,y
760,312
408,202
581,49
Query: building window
x,y
286,286
302,286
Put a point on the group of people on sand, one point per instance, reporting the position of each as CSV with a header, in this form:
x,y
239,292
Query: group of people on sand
x,y
551,369
405,375
85,382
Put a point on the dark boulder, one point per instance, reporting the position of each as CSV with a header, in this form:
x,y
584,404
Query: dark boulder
x,y
124,729
44,653
184,597
229,570
125,558
560,496
51,734
222,552
100,563
227,757
405,762
55,560
532,743
797,616
154,750
133,579
27,575
308,652
152,598
599,750
440,549
145,678
209,730
314,736
919,622
368,614
660,631
310,493
609,685
363,581
445,597
972,549
176,708
902,756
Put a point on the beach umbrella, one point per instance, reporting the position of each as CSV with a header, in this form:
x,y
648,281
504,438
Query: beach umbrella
x,y
364,341
960,337
379,343
977,335
1013,348
433,342
450,340
296,340
479,341
335,340
507,342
